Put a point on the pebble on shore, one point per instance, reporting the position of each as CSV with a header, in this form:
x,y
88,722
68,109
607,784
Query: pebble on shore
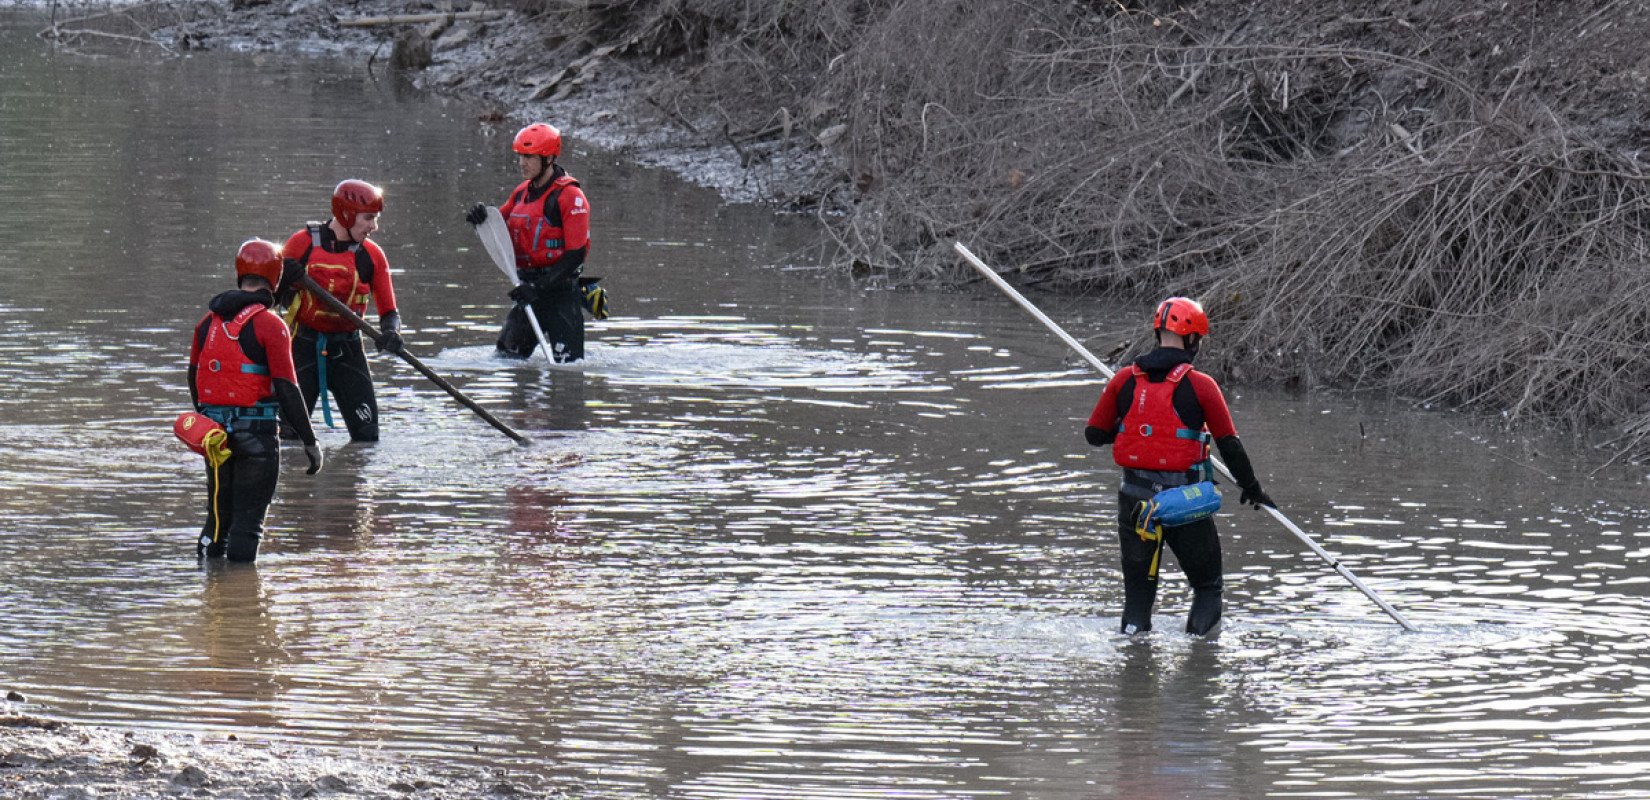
x,y
48,759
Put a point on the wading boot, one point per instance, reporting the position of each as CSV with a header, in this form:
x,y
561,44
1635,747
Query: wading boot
x,y
1204,618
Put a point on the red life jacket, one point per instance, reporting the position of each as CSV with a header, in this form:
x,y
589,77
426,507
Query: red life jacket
x,y
1151,435
224,376
536,226
347,276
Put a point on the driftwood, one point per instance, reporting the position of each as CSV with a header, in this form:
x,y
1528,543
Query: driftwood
x,y
133,25
562,84
413,19
67,36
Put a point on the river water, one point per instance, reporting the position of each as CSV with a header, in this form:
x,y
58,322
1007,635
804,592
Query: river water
x,y
786,534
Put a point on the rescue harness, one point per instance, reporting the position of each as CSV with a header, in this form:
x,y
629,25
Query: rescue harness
x,y
347,276
1174,467
1151,435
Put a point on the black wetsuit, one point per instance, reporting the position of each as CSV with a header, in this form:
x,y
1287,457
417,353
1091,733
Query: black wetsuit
x,y
239,490
1196,545
558,302
349,380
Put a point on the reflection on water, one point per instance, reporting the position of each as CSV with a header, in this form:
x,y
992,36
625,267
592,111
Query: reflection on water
x,y
782,535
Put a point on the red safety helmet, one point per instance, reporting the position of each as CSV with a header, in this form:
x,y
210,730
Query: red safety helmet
x,y
538,139
260,258
353,197
1181,315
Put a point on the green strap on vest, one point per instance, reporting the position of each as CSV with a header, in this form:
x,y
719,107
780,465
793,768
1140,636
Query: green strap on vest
x,y
227,415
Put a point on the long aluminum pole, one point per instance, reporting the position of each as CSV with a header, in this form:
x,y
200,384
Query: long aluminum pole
x,y
348,313
992,275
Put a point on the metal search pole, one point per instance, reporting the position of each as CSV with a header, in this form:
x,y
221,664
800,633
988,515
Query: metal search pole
x,y
346,312
991,274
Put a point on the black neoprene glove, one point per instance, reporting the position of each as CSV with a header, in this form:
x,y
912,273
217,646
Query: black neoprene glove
x,y
291,269
287,289
390,332
525,293
1255,496
312,451
477,214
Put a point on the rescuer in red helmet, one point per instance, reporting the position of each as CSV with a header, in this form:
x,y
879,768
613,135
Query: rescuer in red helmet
x,y
1159,415
326,346
549,222
241,376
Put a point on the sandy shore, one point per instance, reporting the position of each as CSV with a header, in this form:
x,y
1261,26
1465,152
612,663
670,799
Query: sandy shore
x,y
46,759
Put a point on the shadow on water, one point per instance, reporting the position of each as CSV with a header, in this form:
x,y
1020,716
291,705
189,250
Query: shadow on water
x,y
782,535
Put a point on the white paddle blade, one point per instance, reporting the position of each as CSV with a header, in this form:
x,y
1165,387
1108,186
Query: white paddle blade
x,y
496,239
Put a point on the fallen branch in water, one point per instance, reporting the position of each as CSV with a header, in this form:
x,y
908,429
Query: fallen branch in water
x,y
64,37
413,19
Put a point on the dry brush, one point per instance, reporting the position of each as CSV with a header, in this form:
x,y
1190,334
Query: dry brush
x,y
1352,216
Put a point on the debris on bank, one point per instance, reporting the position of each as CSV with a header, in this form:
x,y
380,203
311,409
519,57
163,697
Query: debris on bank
x,y
48,759
1472,171
494,57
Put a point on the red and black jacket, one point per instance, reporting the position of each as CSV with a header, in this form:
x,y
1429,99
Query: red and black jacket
x,y
241,358
1183,409
549,227
353,272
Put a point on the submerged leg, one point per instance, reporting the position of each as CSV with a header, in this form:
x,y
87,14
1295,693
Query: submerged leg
x,y
516,339
351,385
257,468
1197,548
562,315
1139,589
219,507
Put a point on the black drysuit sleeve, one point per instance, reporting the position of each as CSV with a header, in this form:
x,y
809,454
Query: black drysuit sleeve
x,y
294,410
1237,460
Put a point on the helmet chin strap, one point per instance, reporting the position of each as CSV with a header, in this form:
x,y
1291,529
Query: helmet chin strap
x,y
349,231
544,171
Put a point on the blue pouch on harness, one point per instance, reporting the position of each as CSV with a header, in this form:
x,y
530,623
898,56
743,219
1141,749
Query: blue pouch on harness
x,y
1177,506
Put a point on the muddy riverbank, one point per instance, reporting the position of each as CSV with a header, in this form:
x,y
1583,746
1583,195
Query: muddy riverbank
x,y
46,759
1414,162
496,58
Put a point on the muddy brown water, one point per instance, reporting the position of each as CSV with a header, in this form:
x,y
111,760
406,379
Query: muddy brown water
x,y
785,535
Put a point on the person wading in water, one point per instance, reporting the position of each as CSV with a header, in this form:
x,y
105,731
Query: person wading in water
x,y
549,222
326,347
1159,415
241,377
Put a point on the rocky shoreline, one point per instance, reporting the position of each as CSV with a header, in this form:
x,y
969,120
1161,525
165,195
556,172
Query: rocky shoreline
x,y
493,57
47,759
595,105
